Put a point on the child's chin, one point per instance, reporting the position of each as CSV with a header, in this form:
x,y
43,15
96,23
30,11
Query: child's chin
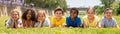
x,y
109,17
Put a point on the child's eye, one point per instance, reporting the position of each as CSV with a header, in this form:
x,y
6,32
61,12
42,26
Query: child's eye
x,y
58,13
108,13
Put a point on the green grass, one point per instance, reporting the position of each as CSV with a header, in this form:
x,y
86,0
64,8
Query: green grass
x,y
58,30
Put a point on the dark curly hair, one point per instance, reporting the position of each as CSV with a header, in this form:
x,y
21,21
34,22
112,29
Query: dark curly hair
x,y
75,9
32,14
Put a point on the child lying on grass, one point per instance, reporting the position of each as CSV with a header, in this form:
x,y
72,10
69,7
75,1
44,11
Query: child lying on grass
x,y
108,20
42,20
14,21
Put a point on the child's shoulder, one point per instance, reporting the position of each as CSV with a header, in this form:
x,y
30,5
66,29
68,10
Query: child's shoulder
x,y
96,16
78,17
47,18
67,16
84,17
19,20
63,17
9,20
52,17
113,18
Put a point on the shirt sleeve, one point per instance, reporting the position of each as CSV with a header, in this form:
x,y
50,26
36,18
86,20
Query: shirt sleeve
x,y
36,24
98,19
52,20
67,21
48,21
115,23
19,22
78,21
9,22
102,22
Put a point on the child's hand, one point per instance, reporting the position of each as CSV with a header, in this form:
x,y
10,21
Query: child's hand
x,y
40,21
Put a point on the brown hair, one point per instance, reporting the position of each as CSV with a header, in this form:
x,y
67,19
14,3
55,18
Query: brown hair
x,y
91,8
107,9
59,9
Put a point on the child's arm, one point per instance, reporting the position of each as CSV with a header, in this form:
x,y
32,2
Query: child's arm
x,y
102,23
32,24
48,22
98,24
63,24
39,25
67,22
79,22
16,24
12,24
115,24
84,25
102,26
24,24
20,25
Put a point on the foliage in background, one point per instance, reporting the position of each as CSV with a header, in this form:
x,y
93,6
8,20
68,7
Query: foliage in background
x,y
48,4
113,4
99,9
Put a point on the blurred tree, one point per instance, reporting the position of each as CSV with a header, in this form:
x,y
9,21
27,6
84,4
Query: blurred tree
x,y
99,9
118,9
107,3
49,4
114,4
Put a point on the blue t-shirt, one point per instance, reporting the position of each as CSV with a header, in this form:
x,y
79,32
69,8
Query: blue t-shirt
x,y
108,23
75,23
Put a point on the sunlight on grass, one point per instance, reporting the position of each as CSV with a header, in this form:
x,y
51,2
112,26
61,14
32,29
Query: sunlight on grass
x,y
58,30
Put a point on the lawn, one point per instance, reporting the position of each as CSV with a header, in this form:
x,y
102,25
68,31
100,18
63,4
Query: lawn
x,y
58,30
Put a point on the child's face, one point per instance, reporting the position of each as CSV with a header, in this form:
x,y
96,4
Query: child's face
x,y
73,14
14,16
28,15
41,17
108,14
90,13
58,14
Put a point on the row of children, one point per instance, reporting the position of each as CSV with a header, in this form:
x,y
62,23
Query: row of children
x,y
30,19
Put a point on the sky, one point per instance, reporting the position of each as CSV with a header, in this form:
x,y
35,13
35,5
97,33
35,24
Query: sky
x,y
82,3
